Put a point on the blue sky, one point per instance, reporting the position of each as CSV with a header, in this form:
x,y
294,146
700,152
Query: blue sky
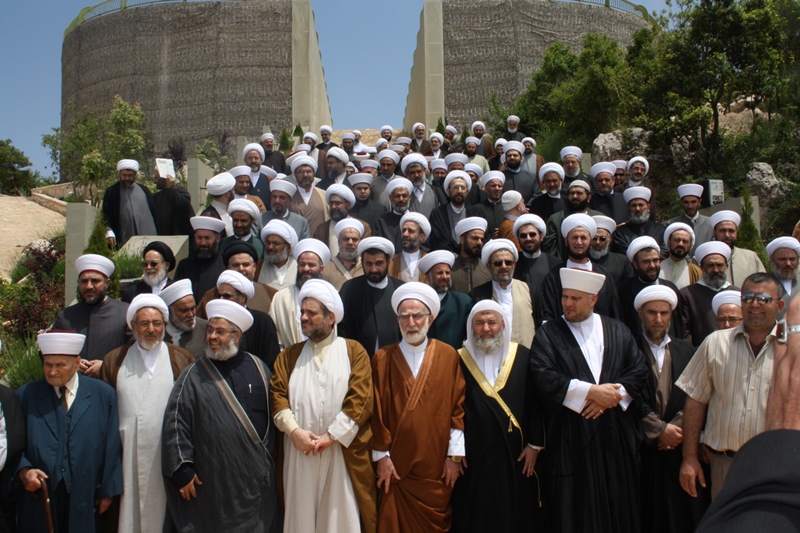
x,y
367,48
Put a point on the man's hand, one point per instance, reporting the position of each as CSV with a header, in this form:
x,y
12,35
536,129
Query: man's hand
x,y
102,505
451,472
592,411
386,473
691,473
190,491
30,478
322,443
112,242
670,438
304,440
91,369
529,455
606,395
783,404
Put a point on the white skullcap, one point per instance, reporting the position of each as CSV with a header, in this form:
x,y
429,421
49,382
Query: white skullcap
x,y
451,129
529,218
221,184
339,154
360,177
640,243
510,199
398,183
529,140
95,262
241,170
238,282
391,154
551,167
414,290
515,118
725,216
449,159
470,224
380,142
656,293
234,313
783,242
267,136
60,343
340,190
208,223
711,248
253,146
297,153
580,183
245,205
678,226
347,223
326,128
386,127
495,245
434,258
621,164
438,163
642,160
571,150
176,290
477,170
578,220
146,300
472,140
303,147
581,280
365,164
420,220
312,136
633,193
514,145
599,168
726,297
477,123
606,223
326,294
437,135
404,140
493,175
414,158
500,142
417,125
348,136
356,132
128,164
283,185
304,161
281,229
378,243
315,246
456,174
690,189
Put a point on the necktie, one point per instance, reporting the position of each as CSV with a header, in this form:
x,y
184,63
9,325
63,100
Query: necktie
x,y
63,391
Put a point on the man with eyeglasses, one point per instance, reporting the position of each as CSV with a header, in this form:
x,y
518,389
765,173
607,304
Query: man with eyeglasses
x,y
533,264
309,201
418,421
727,307
727,383
143,372
185,328
157,261
680,240
617,266
619,175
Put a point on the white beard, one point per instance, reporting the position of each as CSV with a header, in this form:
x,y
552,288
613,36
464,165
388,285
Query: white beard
x,y
152,281
224,353
598,254
149,345
489,346
416,338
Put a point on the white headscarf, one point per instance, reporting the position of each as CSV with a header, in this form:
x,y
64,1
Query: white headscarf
x,y
487,305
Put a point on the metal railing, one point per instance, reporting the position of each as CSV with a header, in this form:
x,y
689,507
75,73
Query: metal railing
x,y
619,5
109,6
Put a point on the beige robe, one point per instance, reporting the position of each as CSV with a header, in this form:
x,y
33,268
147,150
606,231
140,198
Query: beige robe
x,y
336,273
267,274
315,212
742,264
285,312
398,269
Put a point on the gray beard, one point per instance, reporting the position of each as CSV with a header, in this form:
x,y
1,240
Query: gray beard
x,y
348,256
784,277
715,283
149,345
416,338
182,326
224,353
280,257
640,219
489,346
598,254
152,281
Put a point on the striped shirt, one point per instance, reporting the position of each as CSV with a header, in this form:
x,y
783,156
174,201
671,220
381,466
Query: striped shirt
x,y
734,383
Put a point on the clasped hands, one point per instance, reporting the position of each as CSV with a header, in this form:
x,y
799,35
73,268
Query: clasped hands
x,y
600,398
306,441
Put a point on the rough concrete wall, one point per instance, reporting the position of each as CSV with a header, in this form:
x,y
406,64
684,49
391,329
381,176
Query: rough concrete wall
x,y
494,45
311,108
196,68
425,100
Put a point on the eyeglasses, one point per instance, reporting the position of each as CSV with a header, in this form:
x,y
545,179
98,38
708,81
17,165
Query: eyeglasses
x,y
219,332
599,239
729,320
227,295
763,298
531,235
501,262
145,324
151,264
416,317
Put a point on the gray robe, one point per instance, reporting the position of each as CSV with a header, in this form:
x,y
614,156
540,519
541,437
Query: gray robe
x,y
103,324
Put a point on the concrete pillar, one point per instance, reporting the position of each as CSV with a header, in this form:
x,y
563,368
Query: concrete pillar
x,y
197,174
425,101
80,221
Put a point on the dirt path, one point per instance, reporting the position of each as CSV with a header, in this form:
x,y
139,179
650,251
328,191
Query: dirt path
x,y
22,222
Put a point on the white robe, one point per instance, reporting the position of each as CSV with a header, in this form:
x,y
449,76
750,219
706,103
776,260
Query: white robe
x,y
141,401
285,312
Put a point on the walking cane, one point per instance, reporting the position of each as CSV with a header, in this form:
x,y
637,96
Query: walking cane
x,y
48,513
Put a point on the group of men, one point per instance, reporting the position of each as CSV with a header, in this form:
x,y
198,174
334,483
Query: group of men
x,y
436,341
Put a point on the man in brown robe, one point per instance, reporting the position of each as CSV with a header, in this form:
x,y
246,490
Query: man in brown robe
x,y
309,201
418,423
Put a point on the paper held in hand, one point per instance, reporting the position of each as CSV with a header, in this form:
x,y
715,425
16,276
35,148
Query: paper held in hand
x,y
165,168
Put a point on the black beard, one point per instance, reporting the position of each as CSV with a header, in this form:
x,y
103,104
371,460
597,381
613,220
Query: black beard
x,y
515,166
579,208
578,257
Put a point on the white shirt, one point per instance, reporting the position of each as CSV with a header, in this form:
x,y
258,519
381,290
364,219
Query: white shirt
x,y
580,266
457,210
150,357
411,259
659,350
381,284
306,196
280,272
506,300
419,192
175,333
490,364
254,177
71,392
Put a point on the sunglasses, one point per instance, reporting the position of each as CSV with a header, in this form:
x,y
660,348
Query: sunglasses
x,y
600,239
501,262
531,235
151,264
763,298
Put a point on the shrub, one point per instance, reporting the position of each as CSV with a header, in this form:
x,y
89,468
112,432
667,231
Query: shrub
x,y
20,361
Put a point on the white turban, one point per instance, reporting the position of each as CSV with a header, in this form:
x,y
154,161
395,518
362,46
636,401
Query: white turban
x,y
379,243
380,142
176,290
220,184
493,175
437,135
529,140
477,123
128,164
360,177
347,223
367,163
207,223
482,307
414,290
281,229
578,220
234,313
725,216
253,146
356,132
312,136
726,297
515,118
469,224
710,248
437,163
451,129
655,293
391,154
302,151
403,140
606,223
245,205
690,189
420,220
599,168
386,127
472,140
95,262
529,218
304,160
475,169
551,167
678,226
283,185
398,183
267,136
514,145
146,300
642,160
633,193
571,150
783,242
324,293
325,128
414,158
434,258
500,142
60,343
580,183
581,280
417,125
340,190
339,154
456,174
238,282
315,246
241,170
640,243
510,200
449,159
621,164
495,245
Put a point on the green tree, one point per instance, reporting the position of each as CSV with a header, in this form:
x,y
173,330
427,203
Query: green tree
x,y
285,143
748,233
15,176
440,127
211,155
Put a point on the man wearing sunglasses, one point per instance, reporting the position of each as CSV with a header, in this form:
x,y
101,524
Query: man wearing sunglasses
x,y
727,383
157,261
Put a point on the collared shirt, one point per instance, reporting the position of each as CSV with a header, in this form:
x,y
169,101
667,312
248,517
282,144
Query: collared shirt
x,y
419,192
71,392
534,255
505,299
411,259
580,266
734,382
305,195
659,350
150,357
457,210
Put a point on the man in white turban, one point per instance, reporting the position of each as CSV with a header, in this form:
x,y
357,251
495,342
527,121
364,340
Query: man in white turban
x,y
639,222
309,200
325,420
414,230
533,264
783,255
205,265
491,207
512,132
340,199
419,144
450,327
571,158
335,161
346,264
727,307
617,266
680,239
468,270
220,188
282,192
691,195
476,151
399,192
387,162
317,154
206,489
589,375
127,206
743,262
444,218
604,199
550,177
365,208
261,167
278,269
325,142
424,198
185,328
246,221
578,195
273,158
418,423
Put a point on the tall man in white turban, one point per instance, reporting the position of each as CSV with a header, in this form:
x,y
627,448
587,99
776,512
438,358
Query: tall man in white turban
x,y
783,255
246,219
604,199
278,269
450,327
587,373
335,161
273,158
445,217
414,230
399,192
490,208
418,422
424,198
322,396
742,262
220,188
220,470
346,264
308,201
205,265
340,199
578,195
639,222
143,372
677,268
185,328
468,270
571,158
255,157
127,206
551,175
282,192
365,208
533,264
691,200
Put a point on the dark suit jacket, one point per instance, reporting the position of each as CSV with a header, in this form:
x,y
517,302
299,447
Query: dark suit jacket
x,y
425,148
111,207
139,287
442,230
